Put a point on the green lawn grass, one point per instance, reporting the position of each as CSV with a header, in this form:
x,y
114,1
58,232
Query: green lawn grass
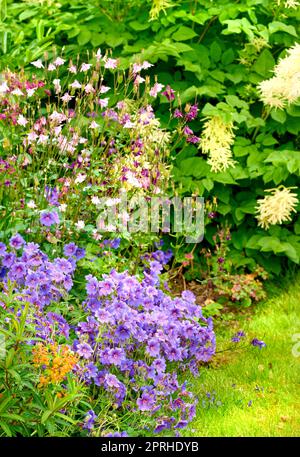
x,y
268,378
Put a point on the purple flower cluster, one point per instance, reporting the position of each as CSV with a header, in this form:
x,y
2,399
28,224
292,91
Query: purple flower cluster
x,y
135,338
37,279
132,339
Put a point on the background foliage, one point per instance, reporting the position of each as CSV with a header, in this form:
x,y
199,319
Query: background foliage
x,y
215,52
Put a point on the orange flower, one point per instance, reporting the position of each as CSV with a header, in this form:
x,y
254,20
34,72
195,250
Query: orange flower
x,y
57,361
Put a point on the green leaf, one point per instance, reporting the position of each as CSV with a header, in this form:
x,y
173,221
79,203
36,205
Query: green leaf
x,y
27,14
184,33
282,27
208,184
84,37
46,415
228,56
194,166
138,26
215,51
264,64
6,428
278,116
224,178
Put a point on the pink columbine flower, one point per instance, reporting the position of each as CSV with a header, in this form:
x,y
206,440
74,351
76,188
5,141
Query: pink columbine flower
x,y
104,89
72,69
146,65
88,89
59,61
75,85
111,63
94,125
156,89
67,97
169,93
80,178
120,105
43,139
57,130
37,63
136,68
187,130
85,66
51,67
139,80
57,117
103,102
22,120
31,137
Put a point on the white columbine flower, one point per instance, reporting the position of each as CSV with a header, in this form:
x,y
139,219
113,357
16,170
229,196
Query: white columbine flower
x,y
31,204
17,92
22,120
95,200
4,88
57,86
80,225
37,63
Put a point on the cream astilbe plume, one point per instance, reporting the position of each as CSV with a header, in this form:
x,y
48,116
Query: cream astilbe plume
x,y
157,7
284,87
276,207
289,4
216,140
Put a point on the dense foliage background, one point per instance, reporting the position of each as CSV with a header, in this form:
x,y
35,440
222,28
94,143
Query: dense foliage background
x,y
215,52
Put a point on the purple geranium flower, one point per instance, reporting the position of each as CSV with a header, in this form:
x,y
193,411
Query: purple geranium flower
x,y
89,420
84,350
70,249
2,249
16,241
153,347
258,343
49,218
146,402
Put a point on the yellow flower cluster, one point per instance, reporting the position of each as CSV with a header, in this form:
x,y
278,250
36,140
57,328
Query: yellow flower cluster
x,y
276,207
56,360
289,4
157,7
284,87
216,140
